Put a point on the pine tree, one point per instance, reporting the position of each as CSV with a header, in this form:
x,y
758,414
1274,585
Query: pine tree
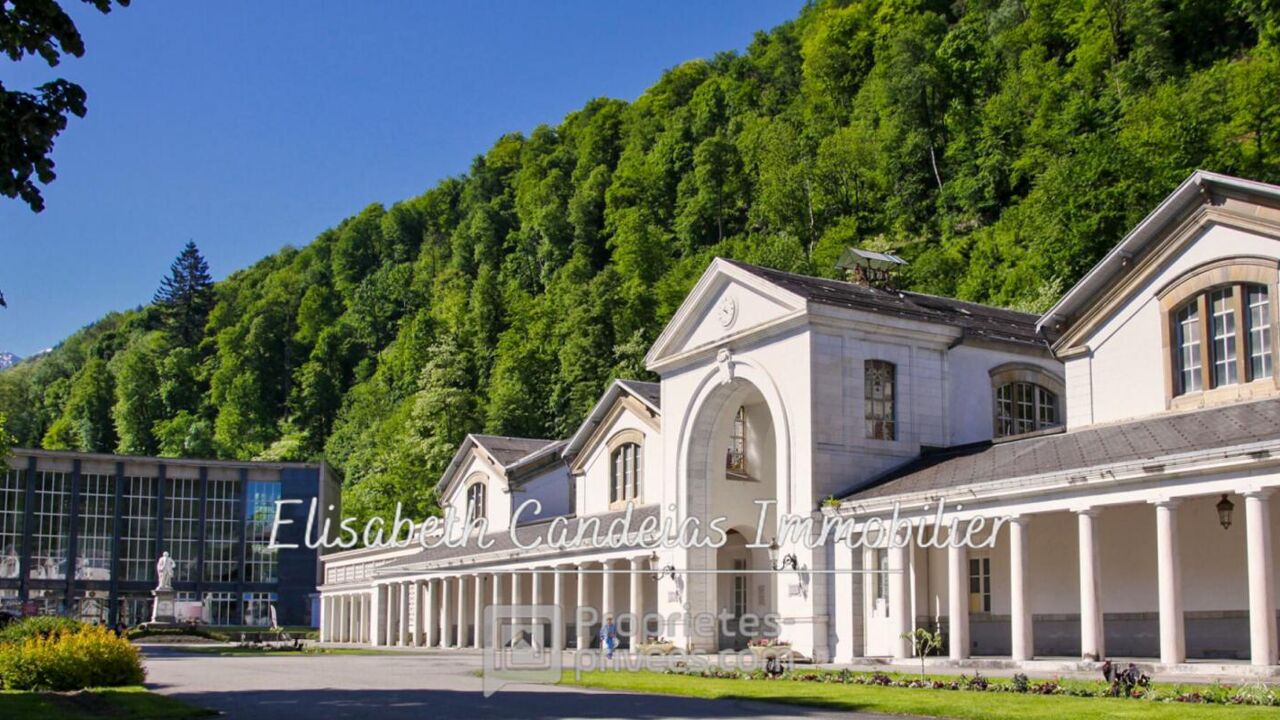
x,y
186,296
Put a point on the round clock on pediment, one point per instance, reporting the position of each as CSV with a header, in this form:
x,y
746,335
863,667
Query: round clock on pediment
x,y
727,312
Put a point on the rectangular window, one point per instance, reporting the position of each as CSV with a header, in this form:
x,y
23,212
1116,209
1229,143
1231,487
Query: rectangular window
x,y
880,562
222,608
97,526
980,584
1223,315
222,531
13,497
735,460
261,563
182,525
51,513
259,608
881,413
138,536
1259,308
1189,366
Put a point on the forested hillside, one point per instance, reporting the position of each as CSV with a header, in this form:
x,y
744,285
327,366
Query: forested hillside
x,y
1001,146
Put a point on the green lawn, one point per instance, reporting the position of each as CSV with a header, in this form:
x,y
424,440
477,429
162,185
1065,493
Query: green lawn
x,y
911,701
124,702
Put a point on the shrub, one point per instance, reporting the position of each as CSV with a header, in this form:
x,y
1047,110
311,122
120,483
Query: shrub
x,y
89,656
39,626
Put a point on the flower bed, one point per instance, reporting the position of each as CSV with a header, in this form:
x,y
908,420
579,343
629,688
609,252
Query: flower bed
x,y
1217,694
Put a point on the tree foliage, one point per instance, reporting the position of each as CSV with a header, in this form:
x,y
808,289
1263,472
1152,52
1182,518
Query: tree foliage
x,y
1001,146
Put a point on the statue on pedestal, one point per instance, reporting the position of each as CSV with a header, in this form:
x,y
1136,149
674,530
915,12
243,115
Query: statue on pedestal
x,y
164,571
162,608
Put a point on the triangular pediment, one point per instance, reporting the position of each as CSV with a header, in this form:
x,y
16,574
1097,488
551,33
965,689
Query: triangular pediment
x,y
727,303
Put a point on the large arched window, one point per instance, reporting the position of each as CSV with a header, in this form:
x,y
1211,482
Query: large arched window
x,y
735,457
1219,331
1023,407
1026,399
879,381
475,502
625,473
1221,337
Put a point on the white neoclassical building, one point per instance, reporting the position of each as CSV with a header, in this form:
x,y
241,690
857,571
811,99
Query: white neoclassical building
x,y
1130,437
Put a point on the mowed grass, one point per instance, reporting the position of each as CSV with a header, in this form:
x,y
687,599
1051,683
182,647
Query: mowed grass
x,y
913,701
123,702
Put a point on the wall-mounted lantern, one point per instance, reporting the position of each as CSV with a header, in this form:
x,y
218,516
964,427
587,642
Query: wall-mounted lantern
x,y
665,571
789,561
1225,508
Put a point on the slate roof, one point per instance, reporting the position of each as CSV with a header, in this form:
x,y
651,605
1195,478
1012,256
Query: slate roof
x,y
507,450
975,320
1140,440
651,392
526,534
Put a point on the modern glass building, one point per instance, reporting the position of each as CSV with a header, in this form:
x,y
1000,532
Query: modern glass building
x,y
80,534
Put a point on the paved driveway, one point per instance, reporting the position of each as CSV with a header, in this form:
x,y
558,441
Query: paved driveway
x,y
418,686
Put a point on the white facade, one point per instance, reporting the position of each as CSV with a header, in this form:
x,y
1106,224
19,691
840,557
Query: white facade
x,y
815,398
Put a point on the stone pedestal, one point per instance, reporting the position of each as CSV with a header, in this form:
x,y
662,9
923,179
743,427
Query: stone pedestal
x,y
162,606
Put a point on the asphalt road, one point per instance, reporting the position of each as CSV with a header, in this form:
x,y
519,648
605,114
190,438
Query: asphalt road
x,y
418,686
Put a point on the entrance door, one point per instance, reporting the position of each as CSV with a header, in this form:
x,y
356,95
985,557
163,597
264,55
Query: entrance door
x,y
880,627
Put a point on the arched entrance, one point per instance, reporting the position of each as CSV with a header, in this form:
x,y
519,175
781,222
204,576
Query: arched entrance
x,y
736,461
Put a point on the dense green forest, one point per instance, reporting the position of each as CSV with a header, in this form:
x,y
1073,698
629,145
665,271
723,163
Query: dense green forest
x,y
1001,146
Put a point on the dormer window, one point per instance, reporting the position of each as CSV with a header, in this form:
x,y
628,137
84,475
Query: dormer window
x,y
475,502
735,459
625,473
1026,399
1236,320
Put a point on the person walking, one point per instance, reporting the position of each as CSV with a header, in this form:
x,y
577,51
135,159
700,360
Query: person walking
x,y
608,636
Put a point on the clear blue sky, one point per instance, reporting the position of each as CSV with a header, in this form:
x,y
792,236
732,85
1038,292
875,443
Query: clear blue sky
x,y
247,126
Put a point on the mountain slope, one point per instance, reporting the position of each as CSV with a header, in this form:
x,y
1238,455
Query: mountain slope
x,y
1000,146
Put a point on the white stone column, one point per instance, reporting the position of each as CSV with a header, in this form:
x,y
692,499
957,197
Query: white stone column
x,y
418,591
325,617
477,641
581,630
432,613
393,597
637,602
445,635
1092,644
557,599
516,597
496,593
1262,595
348,617
844,602
1173,645
462,611
606,589
342,618
535,598
1022,625
366,619
958,601
379,611
404,614
900,600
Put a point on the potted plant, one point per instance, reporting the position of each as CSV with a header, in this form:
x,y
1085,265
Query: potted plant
x,y
765,648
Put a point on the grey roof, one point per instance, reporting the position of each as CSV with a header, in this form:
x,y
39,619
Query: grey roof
x,y
650,392
975,320
502,541
507,450
1192,192
1091,447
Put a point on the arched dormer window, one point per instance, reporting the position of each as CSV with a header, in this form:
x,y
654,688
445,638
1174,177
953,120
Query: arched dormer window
x,y
735,457
475,501
1219,328
1027,399
625,472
